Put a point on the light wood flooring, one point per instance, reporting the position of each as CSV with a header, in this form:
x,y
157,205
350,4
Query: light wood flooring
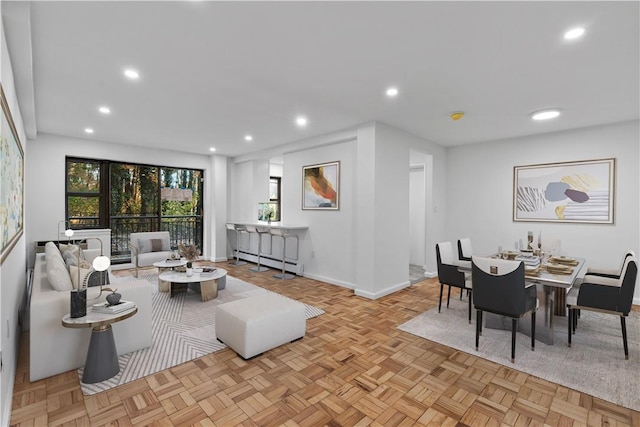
x,y
352,368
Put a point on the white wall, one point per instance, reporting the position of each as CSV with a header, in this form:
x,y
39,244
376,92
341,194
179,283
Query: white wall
x,y
250,186
327,246
480,188
13,269
45,177
365,244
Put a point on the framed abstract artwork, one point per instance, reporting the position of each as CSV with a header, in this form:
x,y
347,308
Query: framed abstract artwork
x,y
569,192
321,186
12,182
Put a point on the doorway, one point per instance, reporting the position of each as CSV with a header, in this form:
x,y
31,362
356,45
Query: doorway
x,y
417,221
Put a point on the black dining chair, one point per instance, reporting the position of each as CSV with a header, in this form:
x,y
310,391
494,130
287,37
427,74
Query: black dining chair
x,y
606,295
499,288
450,275
464,252
613,273
464,249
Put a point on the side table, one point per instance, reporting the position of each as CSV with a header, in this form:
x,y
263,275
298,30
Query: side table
x,y
167,265
102,356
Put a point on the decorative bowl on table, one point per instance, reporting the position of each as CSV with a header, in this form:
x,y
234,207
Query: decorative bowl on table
x,y
182,269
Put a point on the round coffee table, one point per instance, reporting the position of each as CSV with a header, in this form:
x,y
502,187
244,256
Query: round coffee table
x,y
165,265
205,283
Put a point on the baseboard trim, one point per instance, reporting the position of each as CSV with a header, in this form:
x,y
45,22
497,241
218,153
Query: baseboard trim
x,y
329,280
430,274
384,292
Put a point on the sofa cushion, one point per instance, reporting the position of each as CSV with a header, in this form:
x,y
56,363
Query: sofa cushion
x,y
57,274
153,245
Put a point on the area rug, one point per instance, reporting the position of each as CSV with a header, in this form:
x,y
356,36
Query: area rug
x,y
594,364
183,329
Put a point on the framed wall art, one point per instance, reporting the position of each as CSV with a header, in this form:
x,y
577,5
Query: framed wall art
x,y
12,182
571,192
321,186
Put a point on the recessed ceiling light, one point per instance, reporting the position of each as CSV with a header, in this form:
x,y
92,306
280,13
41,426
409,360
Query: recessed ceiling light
x,y
212,149
301,121
392,91
545,114
131,74
574,33
248,138
88,130
104,110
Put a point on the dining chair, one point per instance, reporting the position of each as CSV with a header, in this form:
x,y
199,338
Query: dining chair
x,y
464,252
610,272
613,273
464,249
603,294
499,288
450,275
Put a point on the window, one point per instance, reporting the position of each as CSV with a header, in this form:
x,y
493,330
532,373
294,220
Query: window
x,y
274,194
84,193
129,197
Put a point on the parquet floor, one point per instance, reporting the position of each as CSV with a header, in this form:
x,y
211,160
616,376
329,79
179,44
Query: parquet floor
x,y
352,368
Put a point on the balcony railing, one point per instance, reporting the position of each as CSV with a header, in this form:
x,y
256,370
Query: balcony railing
x,y
182,229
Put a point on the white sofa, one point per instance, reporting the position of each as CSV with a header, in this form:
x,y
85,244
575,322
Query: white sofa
x,y
55,349
149,247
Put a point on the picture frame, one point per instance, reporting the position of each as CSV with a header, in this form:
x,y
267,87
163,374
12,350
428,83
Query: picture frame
x,y
11,182
568,192
321,186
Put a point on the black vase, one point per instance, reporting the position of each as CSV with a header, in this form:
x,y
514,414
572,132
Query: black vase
x,y
78,303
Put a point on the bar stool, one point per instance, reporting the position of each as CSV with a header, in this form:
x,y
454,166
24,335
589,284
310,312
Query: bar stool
x,y
259,232
280,232
238,229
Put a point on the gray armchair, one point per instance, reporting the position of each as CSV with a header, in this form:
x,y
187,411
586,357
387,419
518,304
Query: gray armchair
x,y
499,287
149,247
606,295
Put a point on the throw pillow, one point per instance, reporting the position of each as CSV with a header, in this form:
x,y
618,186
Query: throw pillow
x,y
84,273
73,248
156,245
153,245
57,274
70,258
98,278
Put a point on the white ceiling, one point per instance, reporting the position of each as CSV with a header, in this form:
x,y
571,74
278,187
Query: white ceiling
x,y
212,72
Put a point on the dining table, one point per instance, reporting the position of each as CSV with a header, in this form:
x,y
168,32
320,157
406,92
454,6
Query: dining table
x,y
554,276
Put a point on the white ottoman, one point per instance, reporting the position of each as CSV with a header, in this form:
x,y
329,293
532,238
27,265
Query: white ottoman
x,y
256,324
